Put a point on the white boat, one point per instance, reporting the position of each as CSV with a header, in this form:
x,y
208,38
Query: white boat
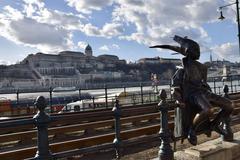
x,y
125,98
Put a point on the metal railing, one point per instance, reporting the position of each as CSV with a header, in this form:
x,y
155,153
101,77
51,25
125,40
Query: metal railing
x,y
41,120
101,99
142,93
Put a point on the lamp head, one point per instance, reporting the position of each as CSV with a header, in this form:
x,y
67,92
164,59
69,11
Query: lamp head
x,y
221,16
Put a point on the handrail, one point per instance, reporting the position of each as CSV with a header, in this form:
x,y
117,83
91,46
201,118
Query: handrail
x,y
78,117
75,127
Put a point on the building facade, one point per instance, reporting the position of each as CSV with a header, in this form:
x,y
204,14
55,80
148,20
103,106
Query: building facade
x,y
157,60
68,68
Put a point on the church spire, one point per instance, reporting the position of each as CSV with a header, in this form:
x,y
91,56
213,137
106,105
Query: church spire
x,y
211,58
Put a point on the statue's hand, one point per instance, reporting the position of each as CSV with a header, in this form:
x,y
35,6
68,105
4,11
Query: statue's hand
x,y
180,104
161,46
206,86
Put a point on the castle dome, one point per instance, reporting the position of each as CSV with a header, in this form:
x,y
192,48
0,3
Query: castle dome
x,y
88,50
88,47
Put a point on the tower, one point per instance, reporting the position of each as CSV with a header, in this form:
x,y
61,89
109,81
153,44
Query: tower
x,y
211,58
88,50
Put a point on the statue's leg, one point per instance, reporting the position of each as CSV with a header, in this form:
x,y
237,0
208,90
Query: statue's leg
x,y
224,115
222,102
201,101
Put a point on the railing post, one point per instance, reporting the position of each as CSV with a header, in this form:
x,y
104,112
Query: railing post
x,y
79,94
141,93
17,92
134,99
106,96
42,120
150,100
214,85
117,140
226,125
50,99
170,87
165,149
238,79
124,90
93,100
231,84
18,107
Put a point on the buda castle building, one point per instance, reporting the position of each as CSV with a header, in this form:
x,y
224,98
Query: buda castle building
x,y
65,69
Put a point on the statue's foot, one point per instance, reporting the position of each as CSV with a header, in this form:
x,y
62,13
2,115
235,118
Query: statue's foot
x,y
208,133
192,138
219,130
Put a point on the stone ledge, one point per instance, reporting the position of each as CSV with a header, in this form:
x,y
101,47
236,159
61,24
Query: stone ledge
x,y
212,150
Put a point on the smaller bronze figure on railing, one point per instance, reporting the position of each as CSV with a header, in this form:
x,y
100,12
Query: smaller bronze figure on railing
x,y
191,89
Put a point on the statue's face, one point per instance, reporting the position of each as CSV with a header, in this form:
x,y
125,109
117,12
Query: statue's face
x,y
190,48
193,51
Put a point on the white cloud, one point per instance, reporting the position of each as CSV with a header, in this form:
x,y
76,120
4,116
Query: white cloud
x,y
35,9
115,46
31,6
87,6
112,29
227,51
104,48
91,30
147,22
82,44
157,21
141,39
109,30
109,47
38,3
11,13
154,21
30,29
67,20
42,36
3,62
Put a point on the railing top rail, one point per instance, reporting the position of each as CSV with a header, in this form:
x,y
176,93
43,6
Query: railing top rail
x,y
15,123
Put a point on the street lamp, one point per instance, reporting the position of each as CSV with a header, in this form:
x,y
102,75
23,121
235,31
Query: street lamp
x,y
221,16
238,19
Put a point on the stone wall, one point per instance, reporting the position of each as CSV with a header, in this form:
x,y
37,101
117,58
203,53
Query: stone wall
x,y
212,150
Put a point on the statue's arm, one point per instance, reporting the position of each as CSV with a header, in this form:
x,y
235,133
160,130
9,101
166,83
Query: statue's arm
x,y
177,95
204,76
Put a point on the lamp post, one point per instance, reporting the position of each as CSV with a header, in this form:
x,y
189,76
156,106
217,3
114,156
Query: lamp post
x,y
238,19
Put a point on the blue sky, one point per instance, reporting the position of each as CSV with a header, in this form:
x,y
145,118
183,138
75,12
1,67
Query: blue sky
x,y
120,27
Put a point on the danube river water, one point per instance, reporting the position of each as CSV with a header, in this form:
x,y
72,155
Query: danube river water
x,y
95,93
111,92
